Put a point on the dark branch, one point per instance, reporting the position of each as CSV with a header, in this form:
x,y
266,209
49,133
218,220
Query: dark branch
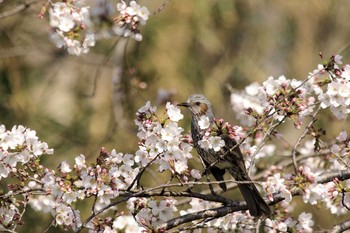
x,y
330,176
211,213
213,198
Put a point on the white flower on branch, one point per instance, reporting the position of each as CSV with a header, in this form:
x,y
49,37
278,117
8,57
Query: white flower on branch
x,y
72,27
131,16
174,112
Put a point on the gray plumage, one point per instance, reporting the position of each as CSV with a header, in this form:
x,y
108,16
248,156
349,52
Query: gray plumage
x,y
232,162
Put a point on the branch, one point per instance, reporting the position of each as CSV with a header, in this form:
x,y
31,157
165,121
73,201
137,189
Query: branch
x,y
212,198
340,159
18,9
341,227
343,200
330,176
211,213
20,192
166,2
215,212
263,141
138,176
297,144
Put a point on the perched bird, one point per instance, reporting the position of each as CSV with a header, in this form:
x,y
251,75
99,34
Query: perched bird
x,y
227,159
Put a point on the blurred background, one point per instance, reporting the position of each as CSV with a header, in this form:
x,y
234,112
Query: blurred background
x,y
78,104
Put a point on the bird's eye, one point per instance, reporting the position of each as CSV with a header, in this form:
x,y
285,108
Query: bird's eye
x,y
197,103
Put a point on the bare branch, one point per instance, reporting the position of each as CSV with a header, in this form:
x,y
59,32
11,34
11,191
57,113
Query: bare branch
x,y
341,227
138,176
343,200
22,192
306,131
264,139
211,213
166,2
330,176
18,9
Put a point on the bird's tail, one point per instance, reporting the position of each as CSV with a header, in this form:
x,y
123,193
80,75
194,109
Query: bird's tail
x,y
256,204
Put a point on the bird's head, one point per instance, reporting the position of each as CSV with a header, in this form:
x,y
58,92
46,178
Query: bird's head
x,y
198,105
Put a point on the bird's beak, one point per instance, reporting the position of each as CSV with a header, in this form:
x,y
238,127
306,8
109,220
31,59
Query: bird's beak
x,y
185,104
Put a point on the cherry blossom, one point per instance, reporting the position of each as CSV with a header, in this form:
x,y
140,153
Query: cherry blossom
x,y
305,222
174,113
204,122
72,27
127,23
276,184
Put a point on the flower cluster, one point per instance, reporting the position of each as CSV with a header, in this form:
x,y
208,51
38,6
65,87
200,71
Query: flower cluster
x,y
20,149
333,193
247,101
124,223
113,172
212,131
163,143
151,213
19,145
9,217
282,97
72,27
305,180
304,224
340,152
129,20
276,184
237,221
332,86
279,98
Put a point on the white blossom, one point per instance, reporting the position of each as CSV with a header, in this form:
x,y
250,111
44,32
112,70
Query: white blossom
x,y
204,122
216,143
305,222
72,27
65,167
174,112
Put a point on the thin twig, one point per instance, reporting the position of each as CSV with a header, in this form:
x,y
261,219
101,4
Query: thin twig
x,y
297,144
99,69
340,159
48,228
166,2
204,214
20,192
343,200
138,176
194,183
263,141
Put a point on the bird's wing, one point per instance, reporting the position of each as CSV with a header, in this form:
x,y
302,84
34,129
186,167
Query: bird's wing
x,y
218,175
232,152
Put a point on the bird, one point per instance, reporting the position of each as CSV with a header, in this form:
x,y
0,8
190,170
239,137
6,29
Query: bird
x,y
229,158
